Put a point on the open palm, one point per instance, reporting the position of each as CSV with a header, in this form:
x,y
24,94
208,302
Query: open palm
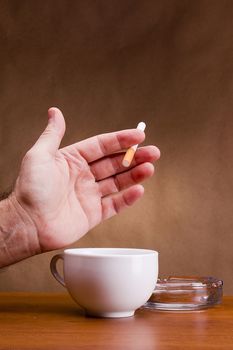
x,y
68,191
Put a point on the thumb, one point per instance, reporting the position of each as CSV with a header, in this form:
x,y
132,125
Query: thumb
x,y
51,138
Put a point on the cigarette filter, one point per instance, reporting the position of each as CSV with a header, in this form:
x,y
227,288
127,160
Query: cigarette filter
x,y
131,151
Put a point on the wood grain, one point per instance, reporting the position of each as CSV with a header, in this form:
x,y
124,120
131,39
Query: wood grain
x,y
53,321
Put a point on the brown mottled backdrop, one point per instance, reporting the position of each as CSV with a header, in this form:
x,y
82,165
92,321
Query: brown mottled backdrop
x,y
108,65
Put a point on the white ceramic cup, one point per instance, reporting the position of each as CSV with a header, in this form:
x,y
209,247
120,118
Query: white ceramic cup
x,y
108,282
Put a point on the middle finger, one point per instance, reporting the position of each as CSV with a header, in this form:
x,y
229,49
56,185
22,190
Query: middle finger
x,y
112,165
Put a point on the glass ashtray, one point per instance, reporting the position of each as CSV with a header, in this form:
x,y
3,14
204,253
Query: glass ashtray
x,y
181,293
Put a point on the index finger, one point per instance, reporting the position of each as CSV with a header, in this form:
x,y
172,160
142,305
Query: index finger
x,y
99,146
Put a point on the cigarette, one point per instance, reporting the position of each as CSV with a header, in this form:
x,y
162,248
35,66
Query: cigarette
x,y
131,151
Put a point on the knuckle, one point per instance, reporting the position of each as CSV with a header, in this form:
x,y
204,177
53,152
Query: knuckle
x,y
29,155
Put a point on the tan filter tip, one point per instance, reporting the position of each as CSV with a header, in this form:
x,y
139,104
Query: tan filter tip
x,y
128,157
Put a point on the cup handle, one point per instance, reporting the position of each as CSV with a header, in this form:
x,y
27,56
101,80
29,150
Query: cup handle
x,y
53,268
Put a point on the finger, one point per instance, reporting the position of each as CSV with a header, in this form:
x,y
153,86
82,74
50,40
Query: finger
x,y
51,138
113,204
112,165
124,180
103,145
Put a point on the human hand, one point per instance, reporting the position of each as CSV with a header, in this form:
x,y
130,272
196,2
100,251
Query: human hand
x,y
68,191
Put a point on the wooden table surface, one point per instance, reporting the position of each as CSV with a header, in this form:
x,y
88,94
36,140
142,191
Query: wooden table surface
x,y
53,321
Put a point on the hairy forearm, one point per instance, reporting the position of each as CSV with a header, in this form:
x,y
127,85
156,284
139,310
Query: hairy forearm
x,y
18,234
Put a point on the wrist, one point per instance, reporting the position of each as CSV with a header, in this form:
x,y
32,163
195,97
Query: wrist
x,y
18,233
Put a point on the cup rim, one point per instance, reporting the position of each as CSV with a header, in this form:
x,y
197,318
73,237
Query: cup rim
x,y
110,252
